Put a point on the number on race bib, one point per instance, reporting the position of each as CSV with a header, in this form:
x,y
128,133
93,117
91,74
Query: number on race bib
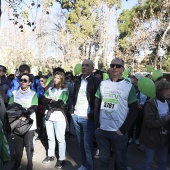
x,y
108,105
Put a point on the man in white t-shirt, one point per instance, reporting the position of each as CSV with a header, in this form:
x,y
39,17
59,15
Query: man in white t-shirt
x,y
114,114
82,112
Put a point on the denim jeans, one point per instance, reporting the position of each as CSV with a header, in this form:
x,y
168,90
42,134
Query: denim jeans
x,y
110,139
85,132
161,154
56,128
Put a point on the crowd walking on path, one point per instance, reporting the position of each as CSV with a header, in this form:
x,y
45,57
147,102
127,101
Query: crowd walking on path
x,y
108,113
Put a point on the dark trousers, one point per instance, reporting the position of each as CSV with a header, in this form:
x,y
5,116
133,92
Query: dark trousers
x,y
27,141
108,140
41,125
137,124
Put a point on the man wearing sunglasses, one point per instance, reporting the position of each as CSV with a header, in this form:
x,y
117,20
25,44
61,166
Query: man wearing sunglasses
x,y
116,110
82,113
4,82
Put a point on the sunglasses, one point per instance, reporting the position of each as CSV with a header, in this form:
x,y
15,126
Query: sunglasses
x,y
24,80
116,65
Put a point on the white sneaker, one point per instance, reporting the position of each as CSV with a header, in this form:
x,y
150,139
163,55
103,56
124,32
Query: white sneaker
x,y
82,168
137,141
130,140
97,154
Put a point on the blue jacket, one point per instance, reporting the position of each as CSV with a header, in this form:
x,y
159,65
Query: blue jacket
x,y
35,86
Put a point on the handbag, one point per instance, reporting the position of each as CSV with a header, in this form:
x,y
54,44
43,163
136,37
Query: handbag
x,y
22,126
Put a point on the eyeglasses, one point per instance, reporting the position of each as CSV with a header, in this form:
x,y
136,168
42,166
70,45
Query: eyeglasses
x,y
116,65
87,65
24,80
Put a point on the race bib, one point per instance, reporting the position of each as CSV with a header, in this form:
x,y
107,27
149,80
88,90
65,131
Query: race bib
x,y
109,105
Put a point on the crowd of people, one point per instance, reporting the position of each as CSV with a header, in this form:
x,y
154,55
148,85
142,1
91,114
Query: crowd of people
x,y
112,113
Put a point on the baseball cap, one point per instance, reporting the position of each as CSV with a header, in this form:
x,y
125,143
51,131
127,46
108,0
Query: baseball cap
x,y
138,75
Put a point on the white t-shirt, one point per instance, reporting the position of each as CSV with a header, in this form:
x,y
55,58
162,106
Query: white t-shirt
x,y
26,99
114,106
163,108
82,107
55,94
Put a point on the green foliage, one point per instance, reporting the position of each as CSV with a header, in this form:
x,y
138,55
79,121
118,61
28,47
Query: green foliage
x,y
24,15
111,3
47,3
144,12
66,4
125,22
166,63
80,20
8,71
45,70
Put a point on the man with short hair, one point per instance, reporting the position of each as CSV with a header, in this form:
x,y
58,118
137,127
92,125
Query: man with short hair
x,y
82,112
4,81
115,112
35,84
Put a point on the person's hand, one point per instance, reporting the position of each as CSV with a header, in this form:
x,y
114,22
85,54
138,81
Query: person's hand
x,y
119,132
167,118
51,101
23,118
139,106
72,114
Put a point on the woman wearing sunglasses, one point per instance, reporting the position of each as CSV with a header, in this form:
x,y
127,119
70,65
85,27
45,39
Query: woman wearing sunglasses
x,y
55,100
27,99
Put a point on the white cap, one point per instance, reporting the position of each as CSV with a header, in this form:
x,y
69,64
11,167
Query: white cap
x,y
138,75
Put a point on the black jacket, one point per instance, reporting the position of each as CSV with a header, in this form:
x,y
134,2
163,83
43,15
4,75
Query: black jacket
x,y
4,83
55,106
14,112
92,86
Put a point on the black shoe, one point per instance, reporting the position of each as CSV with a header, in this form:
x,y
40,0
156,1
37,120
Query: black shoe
x,y
48,159
59,164
29,166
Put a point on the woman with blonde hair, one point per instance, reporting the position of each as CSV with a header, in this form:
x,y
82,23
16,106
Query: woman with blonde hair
x,y
55,100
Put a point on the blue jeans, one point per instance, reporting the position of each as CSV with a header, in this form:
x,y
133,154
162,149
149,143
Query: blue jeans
x,y
162,155
108,140
56,128
85,132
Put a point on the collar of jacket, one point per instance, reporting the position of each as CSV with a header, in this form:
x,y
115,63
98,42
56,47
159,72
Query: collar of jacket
x,y
88,77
